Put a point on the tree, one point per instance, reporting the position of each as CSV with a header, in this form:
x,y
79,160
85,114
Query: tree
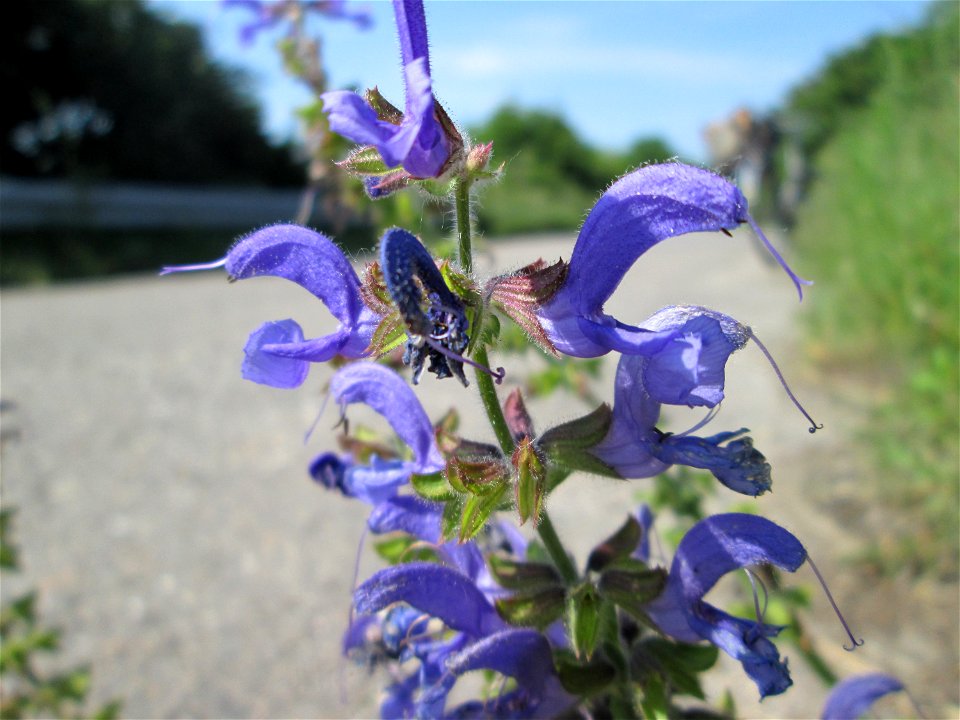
x,y
111,90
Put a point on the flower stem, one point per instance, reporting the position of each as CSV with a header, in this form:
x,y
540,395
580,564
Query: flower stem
x,y
461,194
551,541
488,393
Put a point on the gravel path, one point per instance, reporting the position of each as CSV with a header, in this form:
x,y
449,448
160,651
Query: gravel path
x,y
165,514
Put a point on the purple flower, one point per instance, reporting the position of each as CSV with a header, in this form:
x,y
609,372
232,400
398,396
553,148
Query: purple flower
x,y
276,353
271,12
386,393
644,207
635,448
480,640
418,140
710,549
852,697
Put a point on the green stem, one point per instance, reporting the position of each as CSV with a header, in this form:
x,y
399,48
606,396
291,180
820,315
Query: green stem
x,y
551,541
488,395
461,196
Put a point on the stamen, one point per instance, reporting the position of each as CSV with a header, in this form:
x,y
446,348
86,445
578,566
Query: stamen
x,y
313,425
813,423
170,269
797,280
498,375
711,414
833,603
754,580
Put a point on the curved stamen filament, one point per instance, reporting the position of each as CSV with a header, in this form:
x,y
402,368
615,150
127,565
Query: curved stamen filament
x,y
754,581
855,643
798,281
170,269
776,368
711,414
498,375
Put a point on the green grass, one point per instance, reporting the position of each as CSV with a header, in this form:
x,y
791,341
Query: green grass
x,y
880,233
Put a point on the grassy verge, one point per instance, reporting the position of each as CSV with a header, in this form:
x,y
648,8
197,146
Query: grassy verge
x,y
880,232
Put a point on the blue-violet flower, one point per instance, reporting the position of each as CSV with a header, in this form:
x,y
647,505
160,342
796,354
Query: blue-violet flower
x,y
644,207
852,697
276,353
635,448
710,549
417,140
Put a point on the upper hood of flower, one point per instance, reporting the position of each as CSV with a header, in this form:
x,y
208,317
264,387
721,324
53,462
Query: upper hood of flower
x,y
386,393
638,211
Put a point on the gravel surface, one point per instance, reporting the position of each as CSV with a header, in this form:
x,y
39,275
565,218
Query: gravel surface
x,y
165,514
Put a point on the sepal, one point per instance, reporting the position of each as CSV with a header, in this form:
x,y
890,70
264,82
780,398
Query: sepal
x,y
364,160
678,664
618,546
630,585
569,444
583,619
531,476
516,416
583,679
521,293
384,109
514,575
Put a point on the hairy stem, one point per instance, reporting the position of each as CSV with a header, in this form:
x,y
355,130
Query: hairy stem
x,y
461,196
551,542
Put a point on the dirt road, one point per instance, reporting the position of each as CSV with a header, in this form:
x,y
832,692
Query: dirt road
x,y
167,519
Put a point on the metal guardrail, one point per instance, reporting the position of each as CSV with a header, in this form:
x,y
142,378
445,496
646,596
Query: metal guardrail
x,y
36,204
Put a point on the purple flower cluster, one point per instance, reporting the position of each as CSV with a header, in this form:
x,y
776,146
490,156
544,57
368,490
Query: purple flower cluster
x,y
470,593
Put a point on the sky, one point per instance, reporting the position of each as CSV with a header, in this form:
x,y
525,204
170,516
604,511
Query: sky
x,y
616,71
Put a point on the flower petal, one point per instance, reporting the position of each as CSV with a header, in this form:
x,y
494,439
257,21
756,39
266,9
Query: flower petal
x,y
305,257
738,465
412,31
644,207
436,590
266,368
387,393
376,482
690,369
518,653
852,697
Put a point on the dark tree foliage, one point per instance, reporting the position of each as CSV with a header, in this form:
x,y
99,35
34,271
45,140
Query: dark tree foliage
x,y
110,90
815,109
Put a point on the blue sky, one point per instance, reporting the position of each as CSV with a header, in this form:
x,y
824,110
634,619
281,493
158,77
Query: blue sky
x,y
617,71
